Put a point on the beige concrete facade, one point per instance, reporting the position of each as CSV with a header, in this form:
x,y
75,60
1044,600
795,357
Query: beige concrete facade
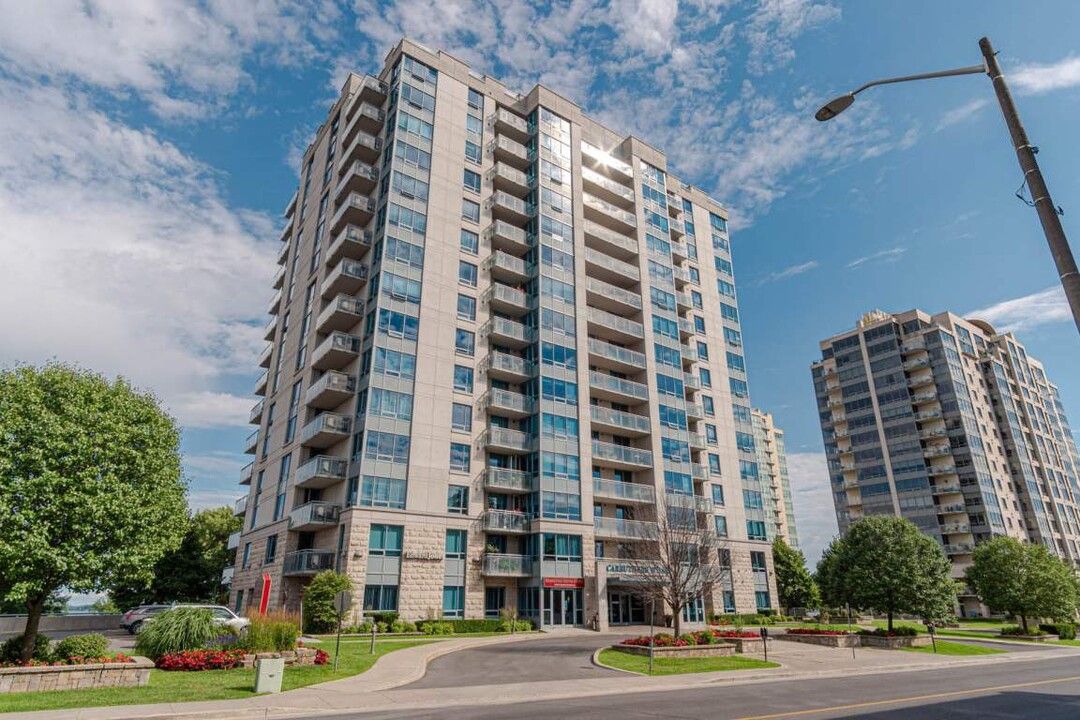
x,y
952,425
478,295
772,464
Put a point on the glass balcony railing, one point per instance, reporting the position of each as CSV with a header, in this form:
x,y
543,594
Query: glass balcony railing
x,y
508,400
506,521
509,480
615,353
504,330
628,298
621,528
623,243
510,364
500,565
620,419
602,260
623,491
621,454
506,439
629,388
591,176
327,426
325,468
617,323
312,514
308,562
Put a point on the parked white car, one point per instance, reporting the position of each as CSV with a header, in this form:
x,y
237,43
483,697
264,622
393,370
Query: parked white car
x,y
223,616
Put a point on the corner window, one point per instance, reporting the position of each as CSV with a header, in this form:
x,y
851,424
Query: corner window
x,y
470,241
466,308
467,273
459,457
463,378
472,180
461,417
470,210
457,500
465,342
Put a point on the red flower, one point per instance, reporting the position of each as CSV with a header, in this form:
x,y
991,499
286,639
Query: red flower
x,y
195,660
321,657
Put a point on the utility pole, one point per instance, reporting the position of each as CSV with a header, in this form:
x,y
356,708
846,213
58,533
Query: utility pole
x,y
1040,195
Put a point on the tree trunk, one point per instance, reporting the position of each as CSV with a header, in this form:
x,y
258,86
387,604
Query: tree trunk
x,y
890,621
33,621
1023,623
676,620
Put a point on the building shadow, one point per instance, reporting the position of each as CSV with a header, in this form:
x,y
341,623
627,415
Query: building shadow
x,y
1003,706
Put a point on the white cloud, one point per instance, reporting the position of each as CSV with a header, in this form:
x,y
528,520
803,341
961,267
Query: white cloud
x,y
208,409
646,25
1045,78
775,24
790,271
120,254
207,499
1029,311
962,113
173,53
815,514
881,256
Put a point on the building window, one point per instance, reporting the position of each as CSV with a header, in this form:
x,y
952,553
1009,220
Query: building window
x,y
470,210
457,500
718,492
703,351
695,299
456,544
386,540
461,417
472,180
707,404
699,324
714,467
695,276
381,597
710,434
271,550
761,597
387,447
467,273
453,601
378,492
459,457
755,530
473,152
465,342
247,557
706,377
466,308
463,378
470,241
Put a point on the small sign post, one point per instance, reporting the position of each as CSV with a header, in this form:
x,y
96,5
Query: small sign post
x,y
765,641
930,629
342,601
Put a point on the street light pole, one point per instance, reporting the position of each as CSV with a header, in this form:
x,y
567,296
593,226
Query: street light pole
x,y
1040,194
1025,153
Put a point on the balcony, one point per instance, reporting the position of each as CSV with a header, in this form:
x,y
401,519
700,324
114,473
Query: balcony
x,y
699,471
609,242
607,268
270,329
956,528
283,254
683,301
613,327
609,297
308,562
509,269
623,492
686,328
677,228
508,332
953,509
605,162
507,300
347,278
321,471
369,90
497,439
928,415
356,209
682,277
275,304
689,354
227,574
507,403
697,441
679,251
255,416
240,506
251,443
363,147
505,521
935,433
507,123
505,480
504,206
264,358
941,470
691,382
359,178
694,411
913,346
618,421
921,380
937,451
365,117
946,489
325,430
233,541
614,357
499,565
291,207
606,189
352,243
504,236
510,151
698,503
335,352
503,366
624,529
343,313
260,384
279,279
620,456
286,231
247,473
916,364
959,549
331,390
615,389
313,516
510,179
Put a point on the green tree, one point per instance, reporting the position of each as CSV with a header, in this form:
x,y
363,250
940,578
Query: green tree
x,y
794,583
887,564
1024,580
91,492
191,573
319,613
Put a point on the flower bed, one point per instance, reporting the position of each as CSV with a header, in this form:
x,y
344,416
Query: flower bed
x,y
679,651
828,638
743,641
892,642
196,660
118,658
113,672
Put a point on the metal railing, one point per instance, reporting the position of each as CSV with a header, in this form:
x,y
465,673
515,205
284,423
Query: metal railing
x,y
308,562
622,454
628,492
619,418
621,386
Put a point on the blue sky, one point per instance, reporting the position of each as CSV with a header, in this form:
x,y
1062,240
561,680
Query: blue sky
x,y
146,153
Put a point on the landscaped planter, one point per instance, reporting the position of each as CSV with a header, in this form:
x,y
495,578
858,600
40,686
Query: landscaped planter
x,y
747,645
689,651
1031,638
300,656
894,642
836,641
75,677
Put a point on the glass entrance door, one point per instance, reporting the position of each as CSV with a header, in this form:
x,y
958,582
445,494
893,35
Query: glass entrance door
x,y
563,607
625,609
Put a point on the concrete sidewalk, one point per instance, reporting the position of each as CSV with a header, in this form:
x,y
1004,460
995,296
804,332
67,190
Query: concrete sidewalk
x,y
380,689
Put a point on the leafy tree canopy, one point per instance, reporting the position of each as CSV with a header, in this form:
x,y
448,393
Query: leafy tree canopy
x,y
794,583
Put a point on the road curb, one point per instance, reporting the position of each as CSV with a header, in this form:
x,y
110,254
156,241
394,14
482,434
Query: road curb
x,y
597,663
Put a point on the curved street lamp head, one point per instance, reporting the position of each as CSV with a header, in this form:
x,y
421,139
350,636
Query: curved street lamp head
x,y
834,107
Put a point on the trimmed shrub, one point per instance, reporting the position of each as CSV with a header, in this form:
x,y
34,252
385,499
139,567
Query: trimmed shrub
x,y
93,645
899,631
384,617
403,626
363,628
745,619
438,628
273,632
1018,630
11,650
1064,631
319,613
177,630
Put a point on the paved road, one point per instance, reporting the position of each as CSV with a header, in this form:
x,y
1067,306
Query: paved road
x,y
558,658
1047,690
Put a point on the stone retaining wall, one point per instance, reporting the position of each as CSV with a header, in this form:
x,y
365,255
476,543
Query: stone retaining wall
x,y
836,641
746,645
691,651
75,677
15,624
300,656
892,643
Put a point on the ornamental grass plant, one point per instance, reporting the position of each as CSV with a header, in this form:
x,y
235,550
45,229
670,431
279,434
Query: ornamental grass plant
x,y
177,630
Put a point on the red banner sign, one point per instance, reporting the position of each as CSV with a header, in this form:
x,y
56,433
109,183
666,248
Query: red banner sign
x,y
562,582
264,597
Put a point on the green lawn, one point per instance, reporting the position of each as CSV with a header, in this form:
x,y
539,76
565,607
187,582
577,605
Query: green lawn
x,y
841,627
944,647
678,666
168,687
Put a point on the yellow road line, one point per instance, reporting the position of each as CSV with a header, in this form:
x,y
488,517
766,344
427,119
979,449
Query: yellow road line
x,y
913,698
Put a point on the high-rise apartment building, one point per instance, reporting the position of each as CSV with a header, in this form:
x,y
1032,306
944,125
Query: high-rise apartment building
x,y
951,425
504,339
772,467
